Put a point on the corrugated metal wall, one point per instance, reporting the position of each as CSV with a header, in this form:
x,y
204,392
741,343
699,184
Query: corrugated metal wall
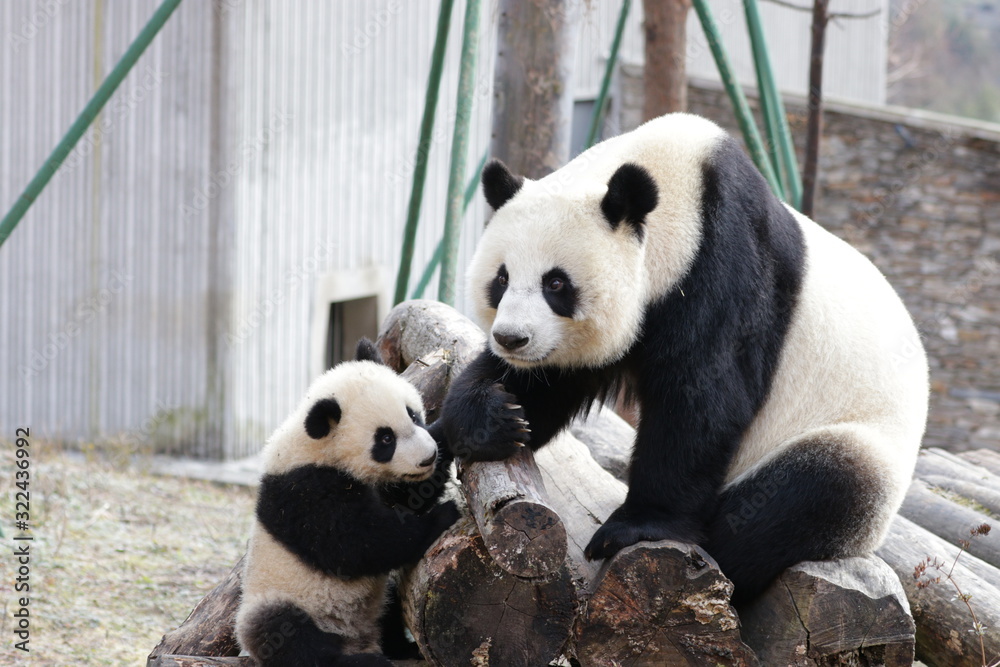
x,y
162,289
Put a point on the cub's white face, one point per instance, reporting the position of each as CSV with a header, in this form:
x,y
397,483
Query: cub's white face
x,y
555,284
359,417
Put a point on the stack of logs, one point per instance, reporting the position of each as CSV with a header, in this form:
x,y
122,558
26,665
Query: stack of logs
x,y
508,585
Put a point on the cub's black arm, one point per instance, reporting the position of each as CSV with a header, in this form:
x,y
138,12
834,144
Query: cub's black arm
x,y
340,526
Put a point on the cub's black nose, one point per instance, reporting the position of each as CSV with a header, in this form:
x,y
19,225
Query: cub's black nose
x,y
510,342
429,461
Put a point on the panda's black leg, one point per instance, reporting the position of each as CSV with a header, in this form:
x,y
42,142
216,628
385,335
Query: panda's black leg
x,y
284,635
395,644
817,500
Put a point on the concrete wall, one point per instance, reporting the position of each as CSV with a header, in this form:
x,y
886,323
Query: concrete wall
x,y
918,194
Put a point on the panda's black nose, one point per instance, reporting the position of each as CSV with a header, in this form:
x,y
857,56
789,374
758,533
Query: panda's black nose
x,y
510,342
429,461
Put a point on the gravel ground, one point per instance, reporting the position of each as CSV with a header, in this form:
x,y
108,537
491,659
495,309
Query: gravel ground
x,y
119,556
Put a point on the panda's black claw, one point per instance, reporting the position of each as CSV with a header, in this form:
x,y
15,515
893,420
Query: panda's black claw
x,y
512,406
519,444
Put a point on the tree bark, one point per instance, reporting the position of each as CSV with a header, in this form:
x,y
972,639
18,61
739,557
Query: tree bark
x,y
814,123
665,74
852,610
533,91
950,521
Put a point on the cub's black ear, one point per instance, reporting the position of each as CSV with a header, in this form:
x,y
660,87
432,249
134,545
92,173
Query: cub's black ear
x,y
499,185
320,414
368,352
632,194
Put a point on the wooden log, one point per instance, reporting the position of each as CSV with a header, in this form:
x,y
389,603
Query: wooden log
x,y
608,437
848,611
652,604
950,520
984,458
988,498
418,327
506,498
199,661
460,606
522,533
934,461
944,623
209,630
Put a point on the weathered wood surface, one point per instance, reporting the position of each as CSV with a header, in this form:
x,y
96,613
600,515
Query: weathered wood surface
x,y
608,437
984,458
852,610
209,630
944,624
416,328
199,661
950,520
986,497
459,604
934,461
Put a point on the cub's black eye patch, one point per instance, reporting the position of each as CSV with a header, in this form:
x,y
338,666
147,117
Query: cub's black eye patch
x,y
414,416
498,286
559,292
384,447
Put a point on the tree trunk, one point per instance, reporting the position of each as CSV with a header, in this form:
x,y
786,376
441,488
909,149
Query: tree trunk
x,y
665,74
814,124
533,84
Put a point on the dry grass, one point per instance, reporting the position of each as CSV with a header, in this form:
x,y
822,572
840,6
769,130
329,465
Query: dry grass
x,y
118,558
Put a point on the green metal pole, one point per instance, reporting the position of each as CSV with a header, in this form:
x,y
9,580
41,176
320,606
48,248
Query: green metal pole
x,y
778,119
747,125
423,149
86,117
459,150
609,70
470,192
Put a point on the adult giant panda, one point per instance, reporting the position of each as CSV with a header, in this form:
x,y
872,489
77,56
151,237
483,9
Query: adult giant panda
x,y
326,538
781,383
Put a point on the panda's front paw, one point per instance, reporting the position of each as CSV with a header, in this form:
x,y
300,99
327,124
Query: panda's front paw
x,y
621,531
494,429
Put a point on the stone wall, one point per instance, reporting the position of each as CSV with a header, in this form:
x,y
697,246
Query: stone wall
x,y
918,194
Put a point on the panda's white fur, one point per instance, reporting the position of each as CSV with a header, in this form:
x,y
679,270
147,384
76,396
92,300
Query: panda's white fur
x,y
370,396
851,373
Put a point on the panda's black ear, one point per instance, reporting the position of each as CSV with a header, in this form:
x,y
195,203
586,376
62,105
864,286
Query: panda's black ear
x,y
632,194
320,414
499,185
367,351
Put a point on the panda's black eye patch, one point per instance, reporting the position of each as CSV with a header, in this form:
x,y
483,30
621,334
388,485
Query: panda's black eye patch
x,y
498,286
414,416
559,292
384,447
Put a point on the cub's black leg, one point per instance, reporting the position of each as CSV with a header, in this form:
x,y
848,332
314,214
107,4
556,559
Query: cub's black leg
x,y
283,635
814,502
395,644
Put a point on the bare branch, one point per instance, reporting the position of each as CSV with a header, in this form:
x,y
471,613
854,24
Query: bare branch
x,y
833,16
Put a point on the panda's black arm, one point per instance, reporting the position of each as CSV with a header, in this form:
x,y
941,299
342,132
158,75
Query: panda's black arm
x,y
340,526
421,496
484,412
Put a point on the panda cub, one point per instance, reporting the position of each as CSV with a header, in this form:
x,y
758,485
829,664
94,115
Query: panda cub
x,y
325,539
781,383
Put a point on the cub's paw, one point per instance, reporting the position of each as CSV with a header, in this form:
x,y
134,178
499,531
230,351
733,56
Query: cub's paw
x,y
621,531
443,516
494,427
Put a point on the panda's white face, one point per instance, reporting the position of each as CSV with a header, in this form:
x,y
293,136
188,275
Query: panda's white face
x,y
361,418
555,283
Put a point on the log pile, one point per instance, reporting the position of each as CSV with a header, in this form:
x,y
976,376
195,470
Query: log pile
x,y
508,585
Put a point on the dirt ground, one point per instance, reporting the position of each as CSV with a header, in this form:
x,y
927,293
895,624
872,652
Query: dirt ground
x,y
119,556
